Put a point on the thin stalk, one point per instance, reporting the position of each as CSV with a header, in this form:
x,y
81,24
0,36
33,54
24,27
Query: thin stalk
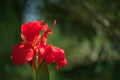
x,y
34,68
34,73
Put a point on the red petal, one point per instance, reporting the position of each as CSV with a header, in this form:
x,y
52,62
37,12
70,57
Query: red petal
x,y
61,63
22,53
59,54
59,57
47,32
50,58
44,27
31,30
45,51
52,54
42,50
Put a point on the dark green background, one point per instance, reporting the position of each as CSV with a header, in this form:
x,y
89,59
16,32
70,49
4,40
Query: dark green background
x,y
88,30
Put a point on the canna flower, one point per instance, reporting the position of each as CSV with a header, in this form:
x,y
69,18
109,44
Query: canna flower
x,y
34,46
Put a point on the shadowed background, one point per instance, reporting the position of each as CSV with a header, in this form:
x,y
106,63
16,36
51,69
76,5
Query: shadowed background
x,y
88,31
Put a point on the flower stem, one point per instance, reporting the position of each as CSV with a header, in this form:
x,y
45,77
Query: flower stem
x,y
35,68
40,69
34,73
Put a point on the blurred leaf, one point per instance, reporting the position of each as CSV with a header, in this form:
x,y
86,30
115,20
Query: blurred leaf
x,y
42,72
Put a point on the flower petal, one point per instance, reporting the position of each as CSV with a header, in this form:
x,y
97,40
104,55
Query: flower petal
x,y
52,54
46,33
59,57
61,63
42,50
44,27
22,53
31,30
50,59
59,54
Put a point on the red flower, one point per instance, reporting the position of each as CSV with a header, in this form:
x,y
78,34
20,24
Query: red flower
x,y
22,53
34,46
31,30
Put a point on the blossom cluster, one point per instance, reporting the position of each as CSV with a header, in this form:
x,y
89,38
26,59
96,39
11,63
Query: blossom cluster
x,y
34,45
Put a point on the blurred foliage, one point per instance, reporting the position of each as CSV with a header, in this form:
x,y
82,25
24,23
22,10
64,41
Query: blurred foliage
x,y
10,21
88,30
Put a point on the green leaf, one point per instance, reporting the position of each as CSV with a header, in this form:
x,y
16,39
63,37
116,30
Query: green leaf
x,y
42,72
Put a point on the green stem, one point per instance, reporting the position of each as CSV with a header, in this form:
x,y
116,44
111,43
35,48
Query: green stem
x,y
40,70
34,73
35,67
